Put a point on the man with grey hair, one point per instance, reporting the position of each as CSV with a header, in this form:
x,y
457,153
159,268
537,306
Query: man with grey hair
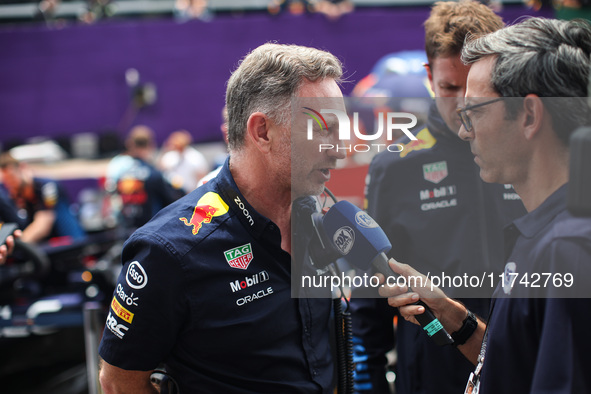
x,y
442,205
205,287
526,94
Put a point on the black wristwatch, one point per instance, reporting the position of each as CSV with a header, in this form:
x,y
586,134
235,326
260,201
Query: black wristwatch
x,y
468,327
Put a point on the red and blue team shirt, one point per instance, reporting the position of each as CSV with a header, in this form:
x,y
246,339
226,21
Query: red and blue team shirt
x,y
206,289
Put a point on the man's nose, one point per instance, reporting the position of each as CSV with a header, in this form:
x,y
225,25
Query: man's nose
x,y
465,134
338,150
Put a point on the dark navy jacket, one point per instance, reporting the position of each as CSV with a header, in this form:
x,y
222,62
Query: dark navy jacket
x,y
141,187
8,211
206,289
440,217
538,334
50,195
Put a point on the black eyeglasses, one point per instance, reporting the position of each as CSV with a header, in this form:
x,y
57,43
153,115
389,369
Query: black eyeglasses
x,y
466,121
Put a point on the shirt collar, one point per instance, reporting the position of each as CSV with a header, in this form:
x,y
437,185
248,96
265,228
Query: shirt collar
x,y
254,222
436,124
532,223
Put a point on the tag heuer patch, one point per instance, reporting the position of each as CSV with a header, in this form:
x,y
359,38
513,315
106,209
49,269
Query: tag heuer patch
x,y
239,257
435,172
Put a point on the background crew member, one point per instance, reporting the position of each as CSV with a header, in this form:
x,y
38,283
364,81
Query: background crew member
x,y
536,342
182,165
8,214
139,190
8,210
7,247
431,203
206,284
42,204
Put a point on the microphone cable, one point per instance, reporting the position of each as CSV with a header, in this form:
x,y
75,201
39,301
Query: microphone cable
x,y
344,340
343,330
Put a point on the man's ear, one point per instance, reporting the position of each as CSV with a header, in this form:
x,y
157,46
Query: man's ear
x,y
429,75
533,115
257,130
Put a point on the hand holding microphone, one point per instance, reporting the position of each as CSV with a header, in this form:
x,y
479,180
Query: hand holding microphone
x,y
407,299
351,234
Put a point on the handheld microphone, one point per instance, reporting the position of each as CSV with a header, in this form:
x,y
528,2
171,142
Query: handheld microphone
x,y
349,233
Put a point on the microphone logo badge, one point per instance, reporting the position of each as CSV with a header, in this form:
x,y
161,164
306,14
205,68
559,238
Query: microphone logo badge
x,y
364,220
344,238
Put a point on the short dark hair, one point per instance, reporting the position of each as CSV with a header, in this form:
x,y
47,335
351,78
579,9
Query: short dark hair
x,y
450,22
546,57
140,137
7,160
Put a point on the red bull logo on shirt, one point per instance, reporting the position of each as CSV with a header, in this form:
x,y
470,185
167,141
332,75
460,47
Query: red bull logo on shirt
x,y
208,207
424,141
132,191
50,194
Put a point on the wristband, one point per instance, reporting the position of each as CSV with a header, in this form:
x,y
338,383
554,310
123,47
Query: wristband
x,y
468,327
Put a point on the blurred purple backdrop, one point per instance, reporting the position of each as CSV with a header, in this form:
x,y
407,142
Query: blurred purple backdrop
x,y
59,82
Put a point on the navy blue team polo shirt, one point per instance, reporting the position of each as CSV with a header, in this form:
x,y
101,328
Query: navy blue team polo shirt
x,y
440,217
50,195
205,288
538,344
141,187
